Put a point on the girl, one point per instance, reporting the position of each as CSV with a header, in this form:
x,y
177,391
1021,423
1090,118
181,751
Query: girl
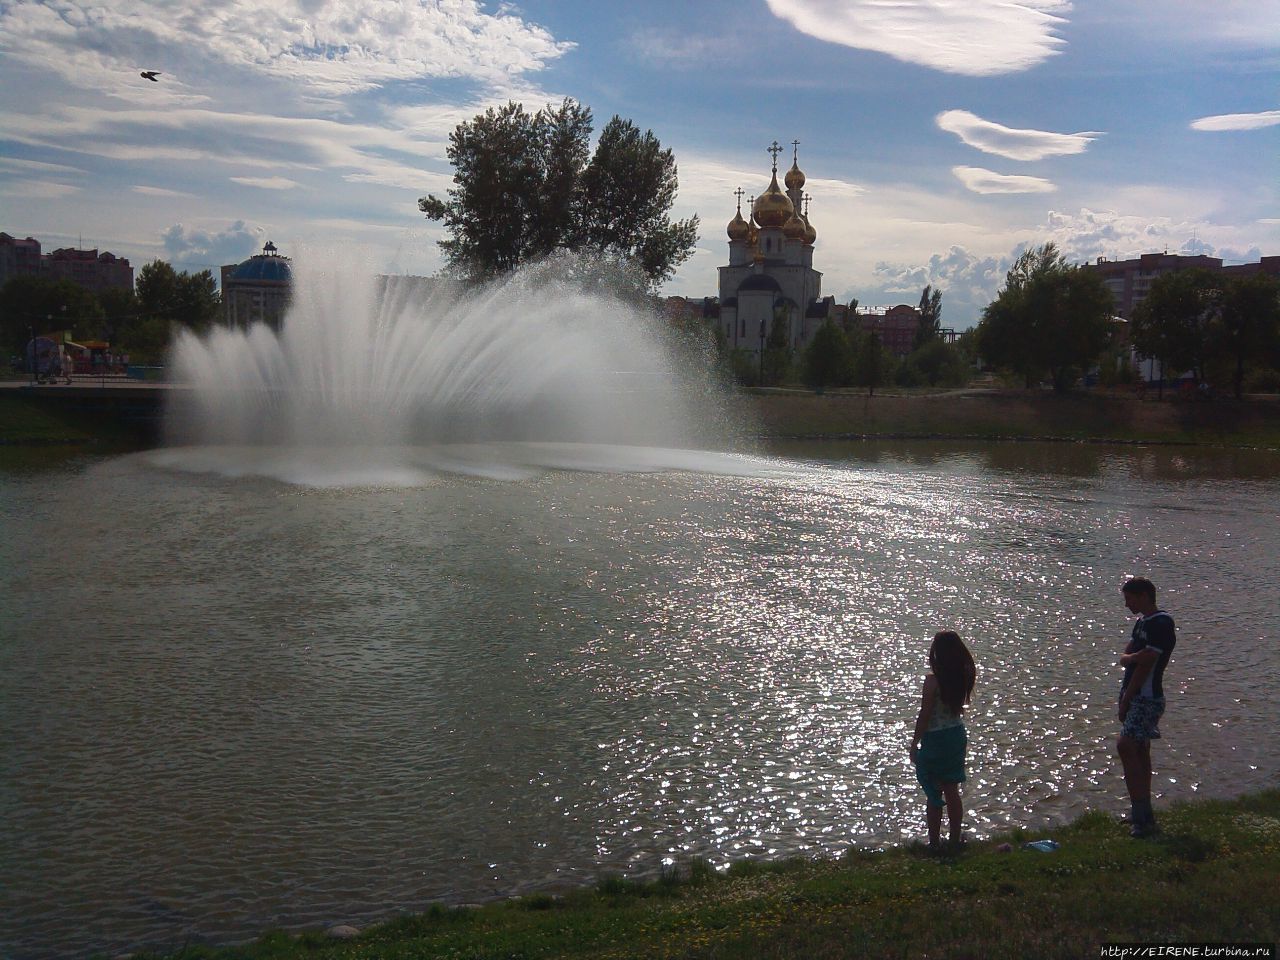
x,y
939,741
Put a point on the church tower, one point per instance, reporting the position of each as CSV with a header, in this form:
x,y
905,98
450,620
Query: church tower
x,y
769,292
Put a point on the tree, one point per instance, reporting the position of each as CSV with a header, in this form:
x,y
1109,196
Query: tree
x,y
871,362
524,187
826,360
1172,322
1049,316
1247,327
39,305
777,348
930,326
188,299
940,362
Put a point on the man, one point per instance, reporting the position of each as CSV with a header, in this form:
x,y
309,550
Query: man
x,y
1142,697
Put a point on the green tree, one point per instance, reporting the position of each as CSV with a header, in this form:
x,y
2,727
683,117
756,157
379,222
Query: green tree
x,y
872,364
827,359
777,349
190,300
524,187
940,363
930,327
38,304
1049,316
1246,330
1172,322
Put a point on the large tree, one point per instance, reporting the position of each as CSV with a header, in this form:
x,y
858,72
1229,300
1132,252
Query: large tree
x,y
827,361
1172,321
930,326
1246,330
872,363
38,305
188,299
1049,317
526,184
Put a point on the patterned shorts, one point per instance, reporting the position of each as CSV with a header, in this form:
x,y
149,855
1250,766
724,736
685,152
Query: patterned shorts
x,y
1141,722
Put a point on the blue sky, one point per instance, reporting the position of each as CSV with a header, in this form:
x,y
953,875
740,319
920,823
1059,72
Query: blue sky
x,y
939,137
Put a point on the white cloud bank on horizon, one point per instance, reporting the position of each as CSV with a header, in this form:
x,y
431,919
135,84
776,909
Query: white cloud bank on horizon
x,y
1011,142
980,180
336,46
977,38
1237,121
212,247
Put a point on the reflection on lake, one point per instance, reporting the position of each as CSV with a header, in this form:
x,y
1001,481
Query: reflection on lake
x,y
230,702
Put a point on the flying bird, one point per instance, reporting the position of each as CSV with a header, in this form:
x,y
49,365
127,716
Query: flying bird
x,y
150,75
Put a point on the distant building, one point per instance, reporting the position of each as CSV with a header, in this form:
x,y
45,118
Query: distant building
x,y
895,326
18,257
1130,280
88,268
257,290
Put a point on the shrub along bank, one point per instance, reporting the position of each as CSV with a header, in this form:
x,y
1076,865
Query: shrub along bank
x,y
1205,878
1018,414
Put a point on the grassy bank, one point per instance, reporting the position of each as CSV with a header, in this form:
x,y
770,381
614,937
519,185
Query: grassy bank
x,y
1204,879
25,421
1020,414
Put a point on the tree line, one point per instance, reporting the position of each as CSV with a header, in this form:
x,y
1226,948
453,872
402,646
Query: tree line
x,y
1055,320
140,322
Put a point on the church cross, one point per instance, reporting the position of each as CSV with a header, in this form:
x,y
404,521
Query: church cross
x,y
738,193
806,198
775,150
795,152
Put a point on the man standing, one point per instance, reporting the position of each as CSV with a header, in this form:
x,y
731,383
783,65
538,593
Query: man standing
x,y
1142,697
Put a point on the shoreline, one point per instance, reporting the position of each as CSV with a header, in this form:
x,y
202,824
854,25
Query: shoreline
x,y
976,415
995,898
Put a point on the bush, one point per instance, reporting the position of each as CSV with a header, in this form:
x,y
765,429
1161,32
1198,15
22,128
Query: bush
x,y
1263,381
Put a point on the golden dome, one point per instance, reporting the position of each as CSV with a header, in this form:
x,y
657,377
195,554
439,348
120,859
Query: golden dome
x,y
795,228
810,234
738,228
773,207
795,177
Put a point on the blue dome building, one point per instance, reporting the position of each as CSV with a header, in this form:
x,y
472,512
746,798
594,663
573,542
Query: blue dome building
x,y
257,290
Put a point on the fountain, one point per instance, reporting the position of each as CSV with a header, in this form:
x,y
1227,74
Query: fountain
x,y
389,380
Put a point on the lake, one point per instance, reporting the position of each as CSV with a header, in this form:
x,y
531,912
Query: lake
x,y
237,692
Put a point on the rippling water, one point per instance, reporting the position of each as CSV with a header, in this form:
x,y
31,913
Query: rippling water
x,y
229,702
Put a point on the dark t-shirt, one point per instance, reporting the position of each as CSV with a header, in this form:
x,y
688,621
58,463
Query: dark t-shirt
x,y
1154,631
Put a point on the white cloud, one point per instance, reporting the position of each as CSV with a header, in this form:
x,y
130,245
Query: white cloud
x,y
987,181
1237,121
968,283
333,45
38,189
977,38
266,183
15,165
215,246
1016,144
357,151
160,192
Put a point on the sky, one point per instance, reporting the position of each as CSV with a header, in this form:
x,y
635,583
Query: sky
x,y
939,138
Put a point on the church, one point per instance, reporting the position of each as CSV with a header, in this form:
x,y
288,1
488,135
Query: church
x,y
770,294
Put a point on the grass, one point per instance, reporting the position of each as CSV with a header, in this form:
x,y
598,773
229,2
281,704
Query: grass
x,y
1117,416
23,420
1203,879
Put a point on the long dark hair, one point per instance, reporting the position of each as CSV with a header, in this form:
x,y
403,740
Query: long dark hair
x,y
952,664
